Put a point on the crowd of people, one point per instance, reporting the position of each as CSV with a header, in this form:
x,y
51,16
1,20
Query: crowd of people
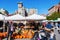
x,y
42,31
46,32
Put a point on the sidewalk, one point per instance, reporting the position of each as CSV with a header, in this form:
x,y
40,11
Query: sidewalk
x,y
18,39
57,35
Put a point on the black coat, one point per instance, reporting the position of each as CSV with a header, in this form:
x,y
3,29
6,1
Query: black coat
x,y
36,36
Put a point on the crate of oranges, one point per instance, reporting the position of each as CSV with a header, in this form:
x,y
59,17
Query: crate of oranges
x,y
3,35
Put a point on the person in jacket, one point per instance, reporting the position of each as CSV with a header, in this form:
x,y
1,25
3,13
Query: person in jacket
x,y
36,35
48,30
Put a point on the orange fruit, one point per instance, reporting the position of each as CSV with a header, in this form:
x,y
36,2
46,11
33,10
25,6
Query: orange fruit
x,y
20,37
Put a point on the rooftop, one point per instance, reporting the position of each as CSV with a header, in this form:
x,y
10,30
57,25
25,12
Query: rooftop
x,y
53,6
50,8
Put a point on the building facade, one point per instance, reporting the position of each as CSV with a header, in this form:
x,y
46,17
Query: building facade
x,y
25,11
32,11
53,9
21,10
4,12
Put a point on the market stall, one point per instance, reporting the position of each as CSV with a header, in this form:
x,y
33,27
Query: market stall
x,y
2,19
3,34
21,32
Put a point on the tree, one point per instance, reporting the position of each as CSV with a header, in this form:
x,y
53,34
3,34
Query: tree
x,y
53,16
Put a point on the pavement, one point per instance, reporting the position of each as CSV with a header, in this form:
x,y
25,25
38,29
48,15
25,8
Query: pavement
x,y
57,34
18,39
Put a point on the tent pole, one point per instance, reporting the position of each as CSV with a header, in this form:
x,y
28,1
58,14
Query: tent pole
x,y
4,25
25,22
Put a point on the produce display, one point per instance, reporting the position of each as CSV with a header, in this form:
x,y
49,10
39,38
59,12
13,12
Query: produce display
x,y
23,34
3,35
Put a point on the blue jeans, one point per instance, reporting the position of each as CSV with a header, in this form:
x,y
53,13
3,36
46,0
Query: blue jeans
x,y
51,39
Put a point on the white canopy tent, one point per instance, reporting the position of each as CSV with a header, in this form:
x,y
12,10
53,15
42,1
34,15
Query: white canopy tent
x,y
45,21
2,17
58,19
35,17
15,17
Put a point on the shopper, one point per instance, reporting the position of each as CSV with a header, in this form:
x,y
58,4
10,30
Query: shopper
x,y
48,30
36,35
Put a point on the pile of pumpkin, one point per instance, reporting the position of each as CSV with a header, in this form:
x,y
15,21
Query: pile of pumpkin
x,y
24,34
3,35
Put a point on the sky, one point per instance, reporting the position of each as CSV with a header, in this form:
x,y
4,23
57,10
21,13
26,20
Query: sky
x,y
41,5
